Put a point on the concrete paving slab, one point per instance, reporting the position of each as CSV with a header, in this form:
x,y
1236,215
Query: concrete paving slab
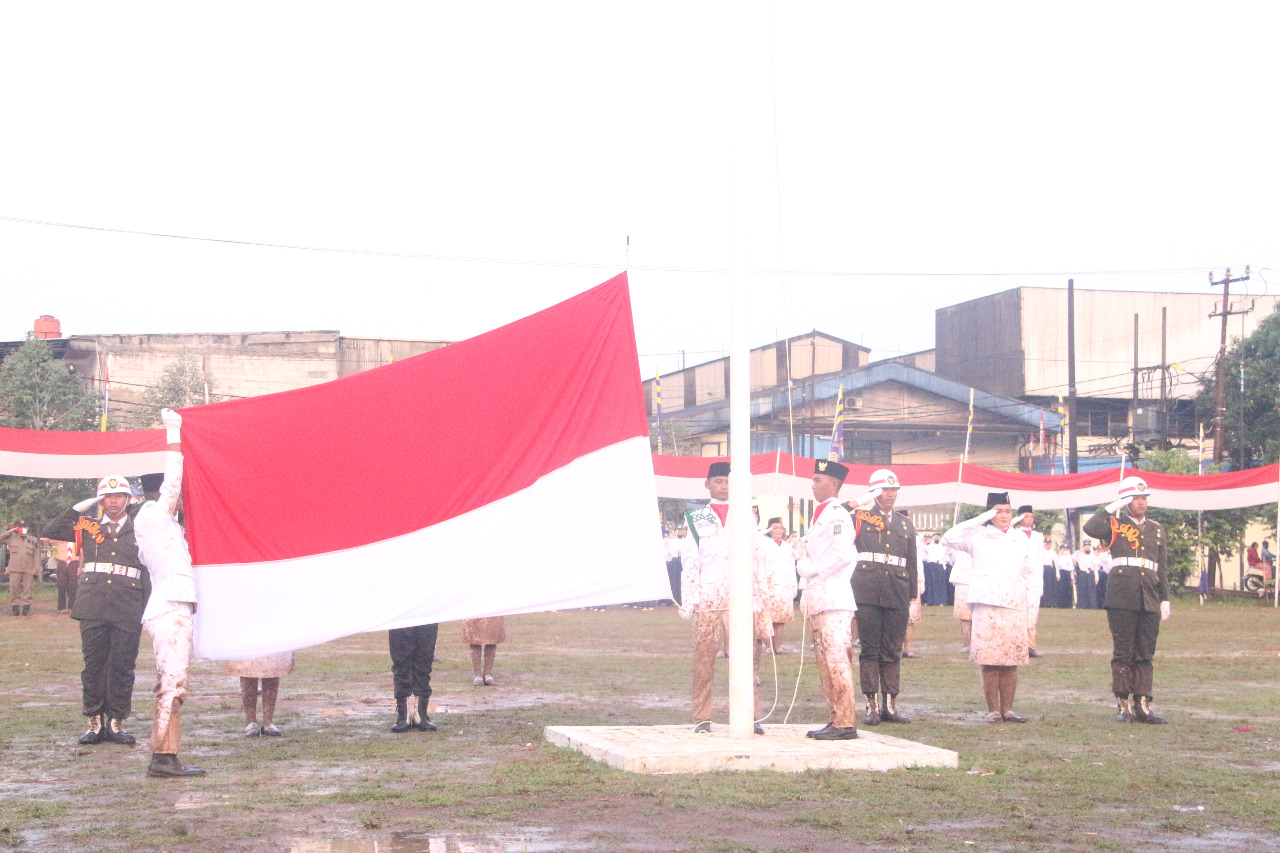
x,y
658,750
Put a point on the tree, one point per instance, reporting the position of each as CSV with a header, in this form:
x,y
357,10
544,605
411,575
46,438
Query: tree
x,y
38,392
1252,425
181,384
1219,530
675,439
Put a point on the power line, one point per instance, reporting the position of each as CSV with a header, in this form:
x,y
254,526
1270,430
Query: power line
x,y
471,259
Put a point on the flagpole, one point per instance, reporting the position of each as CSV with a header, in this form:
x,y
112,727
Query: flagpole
x,y
745,43
955,515
1200,516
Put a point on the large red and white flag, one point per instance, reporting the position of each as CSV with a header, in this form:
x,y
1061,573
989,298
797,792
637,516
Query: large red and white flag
x,y
507,473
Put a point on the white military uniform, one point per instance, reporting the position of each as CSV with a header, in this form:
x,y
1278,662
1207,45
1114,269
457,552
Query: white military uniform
x,y
780,571
704,590
827,569
1003,563
1035,585
162,548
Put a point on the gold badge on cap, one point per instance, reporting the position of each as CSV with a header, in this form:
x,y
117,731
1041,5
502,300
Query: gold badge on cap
x,y
892,481
822,466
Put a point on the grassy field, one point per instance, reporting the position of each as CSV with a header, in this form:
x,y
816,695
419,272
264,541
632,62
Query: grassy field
x,y
340,781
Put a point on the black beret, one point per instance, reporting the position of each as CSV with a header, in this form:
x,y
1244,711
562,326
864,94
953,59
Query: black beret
x,y
1024,509
718,469
996,498
151,482
777,519
831,469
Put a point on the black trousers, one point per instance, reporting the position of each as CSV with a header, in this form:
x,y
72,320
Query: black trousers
x,y
881,630
66,585
674,570
412,650
1133,642
110,652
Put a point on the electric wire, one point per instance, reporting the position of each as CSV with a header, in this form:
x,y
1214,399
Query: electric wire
x,y
473,259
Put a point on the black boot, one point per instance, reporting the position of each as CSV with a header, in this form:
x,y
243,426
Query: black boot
x,y
113,732
15,610
1142,710
889,710
167,766
402,715
873,710
424,722
836,733
94,735
26,610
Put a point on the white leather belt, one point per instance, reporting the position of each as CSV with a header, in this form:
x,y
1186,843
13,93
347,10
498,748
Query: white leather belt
x,y
114,569
887,559
1138,562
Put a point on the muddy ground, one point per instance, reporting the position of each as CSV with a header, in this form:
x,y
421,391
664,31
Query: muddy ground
x,y
338,780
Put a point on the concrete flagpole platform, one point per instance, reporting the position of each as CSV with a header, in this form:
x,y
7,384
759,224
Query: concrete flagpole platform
x,y
660,750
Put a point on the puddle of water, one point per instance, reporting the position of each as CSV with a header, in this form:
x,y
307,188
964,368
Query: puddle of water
x,y
526,841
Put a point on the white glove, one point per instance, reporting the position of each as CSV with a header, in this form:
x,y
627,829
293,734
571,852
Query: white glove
x,y
866,500
86,504
1164,610
1116,506
172,425
686,609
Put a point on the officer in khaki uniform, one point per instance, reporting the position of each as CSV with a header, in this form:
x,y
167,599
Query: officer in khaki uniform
x,y
23,566
884,583
1137,599
111,596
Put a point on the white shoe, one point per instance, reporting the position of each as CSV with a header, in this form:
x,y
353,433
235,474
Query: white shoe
x,y
478,681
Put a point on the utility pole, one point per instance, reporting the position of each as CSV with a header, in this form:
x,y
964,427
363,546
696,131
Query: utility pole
x,y
1141,371
1071,377
1073,517
1220,373
1133,416
1164,378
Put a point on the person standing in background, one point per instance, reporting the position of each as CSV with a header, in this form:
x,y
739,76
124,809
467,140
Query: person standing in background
x,y
780,566
1025,520
483,637
22,567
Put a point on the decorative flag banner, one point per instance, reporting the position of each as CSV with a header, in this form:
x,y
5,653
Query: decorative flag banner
x,y
508,473
657,406
61,455
837,431
65,455
936,484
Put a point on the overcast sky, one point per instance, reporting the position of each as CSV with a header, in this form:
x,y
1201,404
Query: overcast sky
x,y
454,166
